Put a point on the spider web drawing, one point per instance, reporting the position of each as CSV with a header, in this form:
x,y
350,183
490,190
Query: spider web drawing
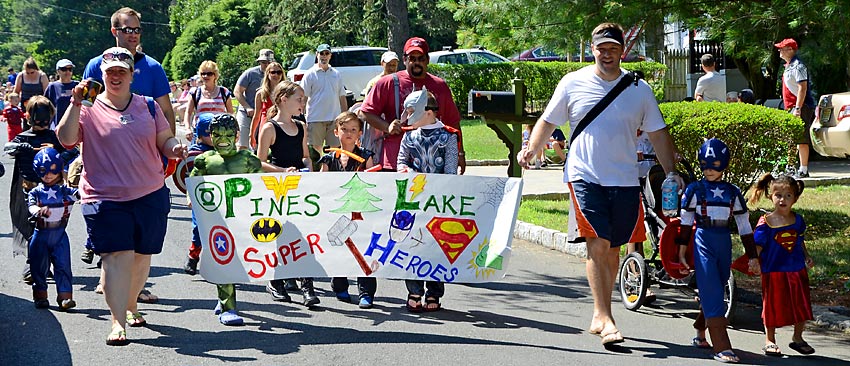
x,y
495,192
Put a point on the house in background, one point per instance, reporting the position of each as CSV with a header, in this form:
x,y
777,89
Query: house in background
x,y
683,49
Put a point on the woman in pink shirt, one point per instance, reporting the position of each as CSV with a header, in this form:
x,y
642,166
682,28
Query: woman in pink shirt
x,y
124,201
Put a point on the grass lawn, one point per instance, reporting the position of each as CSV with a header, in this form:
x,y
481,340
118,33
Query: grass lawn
x,y
480,142
827,214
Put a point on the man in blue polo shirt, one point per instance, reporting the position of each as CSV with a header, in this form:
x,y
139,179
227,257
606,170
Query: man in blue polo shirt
x,y
149,78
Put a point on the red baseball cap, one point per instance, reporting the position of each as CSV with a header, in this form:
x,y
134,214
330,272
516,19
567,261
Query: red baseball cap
x,y
415,44
787,42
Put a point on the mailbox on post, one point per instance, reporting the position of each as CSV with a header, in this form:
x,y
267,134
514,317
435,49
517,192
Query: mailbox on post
x,y
491,102
504,112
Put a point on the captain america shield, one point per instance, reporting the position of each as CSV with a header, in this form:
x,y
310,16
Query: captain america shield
x,y
184,167
221,245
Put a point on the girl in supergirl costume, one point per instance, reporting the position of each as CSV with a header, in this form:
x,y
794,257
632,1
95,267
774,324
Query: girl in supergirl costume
x,y
784,280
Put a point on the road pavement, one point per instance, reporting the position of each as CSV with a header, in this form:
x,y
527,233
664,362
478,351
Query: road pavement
x,y
536,316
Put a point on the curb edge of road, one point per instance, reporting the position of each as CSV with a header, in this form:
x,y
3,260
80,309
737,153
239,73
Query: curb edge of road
x,y
833,318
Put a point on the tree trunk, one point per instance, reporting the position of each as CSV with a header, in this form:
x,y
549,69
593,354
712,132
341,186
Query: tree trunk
x,y
398,26
763,87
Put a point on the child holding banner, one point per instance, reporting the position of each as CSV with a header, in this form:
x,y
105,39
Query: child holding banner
x,y
225,159
428,147
350,158
283,148
202,144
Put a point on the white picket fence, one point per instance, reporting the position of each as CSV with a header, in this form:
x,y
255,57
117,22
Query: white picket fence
x,y
675,79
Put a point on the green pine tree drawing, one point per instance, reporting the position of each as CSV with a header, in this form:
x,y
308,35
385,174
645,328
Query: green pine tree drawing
x,y
357,199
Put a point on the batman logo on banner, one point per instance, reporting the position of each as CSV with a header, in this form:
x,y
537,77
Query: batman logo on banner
x,y
266,229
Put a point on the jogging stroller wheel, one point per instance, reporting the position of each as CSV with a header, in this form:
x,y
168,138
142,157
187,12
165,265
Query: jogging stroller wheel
x,y
633,281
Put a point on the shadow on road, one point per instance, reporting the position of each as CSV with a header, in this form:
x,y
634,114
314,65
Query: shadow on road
x,y
44,344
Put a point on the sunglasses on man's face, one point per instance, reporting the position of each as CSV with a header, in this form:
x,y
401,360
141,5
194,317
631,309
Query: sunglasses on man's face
x,y
121,56
128,30
422,58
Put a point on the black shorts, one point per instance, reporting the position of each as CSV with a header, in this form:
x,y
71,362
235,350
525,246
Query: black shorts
x,y
138,225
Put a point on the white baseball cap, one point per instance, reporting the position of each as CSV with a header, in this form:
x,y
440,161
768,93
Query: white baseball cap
x,y
389,56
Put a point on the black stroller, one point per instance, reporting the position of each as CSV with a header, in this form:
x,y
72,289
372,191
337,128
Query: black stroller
x,y
637,273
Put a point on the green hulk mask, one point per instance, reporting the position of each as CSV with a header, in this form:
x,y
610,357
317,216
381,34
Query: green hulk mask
x,y
226,158
223,130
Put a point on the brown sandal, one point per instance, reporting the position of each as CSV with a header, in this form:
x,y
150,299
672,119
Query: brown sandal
x,y
415,299
432,301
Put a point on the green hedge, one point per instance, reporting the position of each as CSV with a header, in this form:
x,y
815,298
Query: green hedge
x,y
541,78
760,139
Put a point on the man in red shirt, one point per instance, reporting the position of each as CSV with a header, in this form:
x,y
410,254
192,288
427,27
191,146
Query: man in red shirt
x,y
382,106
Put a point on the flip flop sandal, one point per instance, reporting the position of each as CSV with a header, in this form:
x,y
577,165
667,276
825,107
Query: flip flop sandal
x,y
117,338
414,308
700,343
726,356
802,347
432,301
147,297
99,289
771,350
136,319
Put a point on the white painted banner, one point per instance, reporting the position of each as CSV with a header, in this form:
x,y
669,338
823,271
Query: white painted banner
x,y
448,228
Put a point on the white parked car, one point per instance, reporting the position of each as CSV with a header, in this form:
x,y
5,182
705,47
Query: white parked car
x,y
463,56
356,64
831,128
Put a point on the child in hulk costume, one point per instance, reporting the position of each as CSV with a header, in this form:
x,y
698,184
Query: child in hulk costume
x,y
225,159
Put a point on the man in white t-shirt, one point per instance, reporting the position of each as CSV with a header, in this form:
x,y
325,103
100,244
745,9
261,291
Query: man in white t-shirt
x,y
711,87
325,100
602,169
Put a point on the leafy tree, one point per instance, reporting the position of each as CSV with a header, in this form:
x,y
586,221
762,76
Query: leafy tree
x,y
223,23
233,60
510,26
750,28
78,31
181,12
376,23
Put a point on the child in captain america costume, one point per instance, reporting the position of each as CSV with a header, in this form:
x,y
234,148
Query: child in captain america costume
x,y
711,203
23,149
200,145
784,259
49,205
225,159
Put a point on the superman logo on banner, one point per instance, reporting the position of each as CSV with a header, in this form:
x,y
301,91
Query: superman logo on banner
x,y
453,235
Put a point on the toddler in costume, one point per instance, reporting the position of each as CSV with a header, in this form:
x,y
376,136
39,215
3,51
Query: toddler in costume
x,y
13,115
711,203
225,159
50,205
202,143
784,280
429,146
